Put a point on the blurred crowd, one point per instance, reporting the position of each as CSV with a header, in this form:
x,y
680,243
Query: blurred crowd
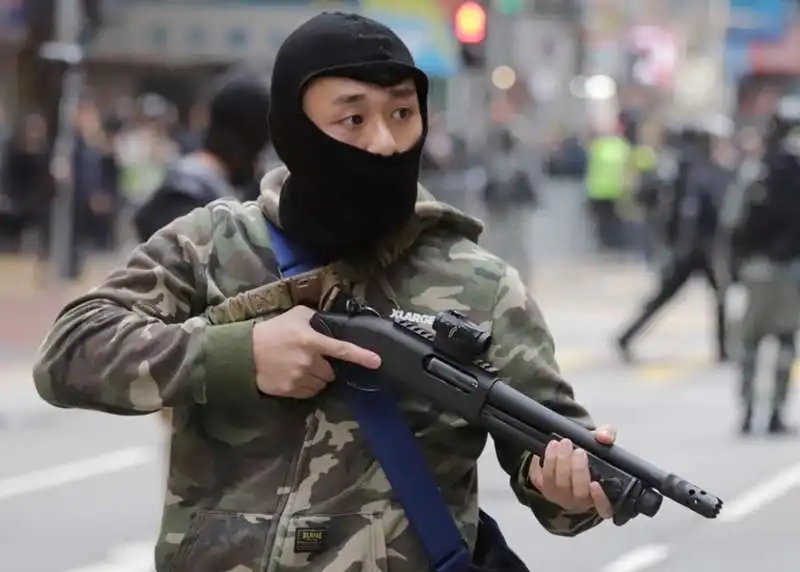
x,y
119,155
122,154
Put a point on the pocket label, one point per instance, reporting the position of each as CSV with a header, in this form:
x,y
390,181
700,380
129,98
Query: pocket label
x,y
309,539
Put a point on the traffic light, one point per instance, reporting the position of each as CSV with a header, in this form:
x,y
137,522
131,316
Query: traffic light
x,y
469,25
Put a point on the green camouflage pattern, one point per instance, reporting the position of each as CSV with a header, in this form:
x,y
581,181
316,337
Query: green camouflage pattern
x,y
250,474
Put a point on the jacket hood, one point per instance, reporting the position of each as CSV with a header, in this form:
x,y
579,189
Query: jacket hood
x,y
429,214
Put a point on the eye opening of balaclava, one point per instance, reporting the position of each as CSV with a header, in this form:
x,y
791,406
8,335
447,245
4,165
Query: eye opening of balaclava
x,y
340,200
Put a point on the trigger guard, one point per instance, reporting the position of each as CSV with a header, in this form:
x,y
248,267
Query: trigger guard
x,y
341,371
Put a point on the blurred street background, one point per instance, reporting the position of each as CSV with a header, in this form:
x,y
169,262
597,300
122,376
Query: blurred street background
x,y
523,104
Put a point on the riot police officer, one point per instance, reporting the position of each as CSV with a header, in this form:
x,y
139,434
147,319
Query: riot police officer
x,y
765,233
704,172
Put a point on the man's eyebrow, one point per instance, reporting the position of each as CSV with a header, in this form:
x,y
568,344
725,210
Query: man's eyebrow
x,y
350,98
403,91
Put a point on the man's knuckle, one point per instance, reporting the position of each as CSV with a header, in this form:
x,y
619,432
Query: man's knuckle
x,y
294,377
301,310
564,486
342,351
306,337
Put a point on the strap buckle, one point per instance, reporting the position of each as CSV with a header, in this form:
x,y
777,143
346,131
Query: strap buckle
x,y
306,289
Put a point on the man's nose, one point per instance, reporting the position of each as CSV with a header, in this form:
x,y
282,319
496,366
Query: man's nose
x,y
382,141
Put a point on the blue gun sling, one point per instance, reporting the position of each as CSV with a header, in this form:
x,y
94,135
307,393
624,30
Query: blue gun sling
x,y
394,446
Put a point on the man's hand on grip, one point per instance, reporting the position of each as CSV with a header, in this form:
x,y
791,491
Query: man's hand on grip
x,y
291,358
563,478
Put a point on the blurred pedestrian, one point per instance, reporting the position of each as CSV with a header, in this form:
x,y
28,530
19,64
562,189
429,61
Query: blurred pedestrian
x,y
225,166
26,181
766,246
146,149
94,200
708,178
608,174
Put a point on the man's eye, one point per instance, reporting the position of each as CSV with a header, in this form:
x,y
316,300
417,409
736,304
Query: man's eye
x,y
353,120
403,113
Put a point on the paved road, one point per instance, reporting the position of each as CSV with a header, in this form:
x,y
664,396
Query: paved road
x,y
80,492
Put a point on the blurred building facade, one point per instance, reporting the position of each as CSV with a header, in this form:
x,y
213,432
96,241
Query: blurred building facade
x,y
665,55
762,55
679,58
174,46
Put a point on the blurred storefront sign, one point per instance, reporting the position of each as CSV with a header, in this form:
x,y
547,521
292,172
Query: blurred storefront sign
x,y
204,31
544,53
763,38
655,56
425,26
780,58
758,20
207,31
605,21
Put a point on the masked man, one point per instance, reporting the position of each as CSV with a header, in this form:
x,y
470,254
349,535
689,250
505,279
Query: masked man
x,y
268,468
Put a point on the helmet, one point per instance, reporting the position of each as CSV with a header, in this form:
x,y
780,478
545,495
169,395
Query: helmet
x,y
784,126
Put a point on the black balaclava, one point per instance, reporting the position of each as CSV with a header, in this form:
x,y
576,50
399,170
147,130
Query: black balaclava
x,y
340,200
238,126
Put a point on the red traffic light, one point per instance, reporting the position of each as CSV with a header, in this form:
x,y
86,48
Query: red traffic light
x,y
470,23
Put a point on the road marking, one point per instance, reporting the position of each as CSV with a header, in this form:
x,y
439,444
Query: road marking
x,y
75,471
639,559
134,557
577,359
758,497
679,368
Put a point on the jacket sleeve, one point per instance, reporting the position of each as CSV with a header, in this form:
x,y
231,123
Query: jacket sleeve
x,y
523,351
136,344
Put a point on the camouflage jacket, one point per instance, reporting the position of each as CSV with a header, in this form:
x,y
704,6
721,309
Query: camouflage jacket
x,y
268,484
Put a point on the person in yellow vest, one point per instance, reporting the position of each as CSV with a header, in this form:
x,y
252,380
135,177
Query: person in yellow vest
x,y
607,178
